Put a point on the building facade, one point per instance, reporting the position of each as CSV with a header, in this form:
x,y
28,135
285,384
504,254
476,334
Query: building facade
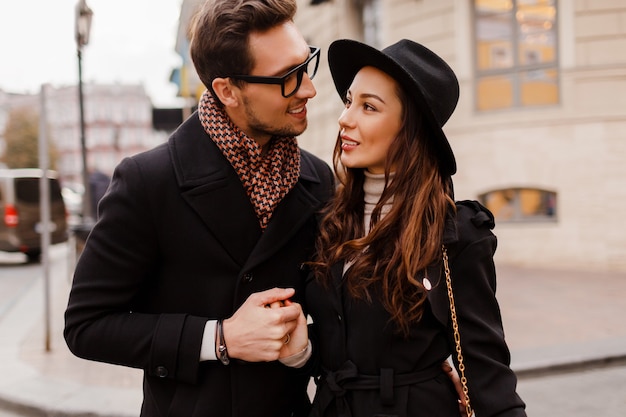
x,y
118,123
540,130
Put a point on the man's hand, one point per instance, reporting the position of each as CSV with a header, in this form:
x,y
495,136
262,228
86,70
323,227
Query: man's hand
x,y
257,332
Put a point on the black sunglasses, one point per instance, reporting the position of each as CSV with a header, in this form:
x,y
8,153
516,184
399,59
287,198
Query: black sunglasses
x,y
291,81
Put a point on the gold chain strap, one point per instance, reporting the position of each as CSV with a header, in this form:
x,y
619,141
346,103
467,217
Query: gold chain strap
x,y
457,335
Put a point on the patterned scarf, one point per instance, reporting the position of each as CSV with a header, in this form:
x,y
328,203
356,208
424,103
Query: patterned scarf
x,y
266,178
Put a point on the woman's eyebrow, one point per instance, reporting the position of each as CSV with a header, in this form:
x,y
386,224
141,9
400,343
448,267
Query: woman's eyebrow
x,y
371,95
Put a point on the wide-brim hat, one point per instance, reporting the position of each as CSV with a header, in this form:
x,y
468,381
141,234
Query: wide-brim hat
x,y
426,78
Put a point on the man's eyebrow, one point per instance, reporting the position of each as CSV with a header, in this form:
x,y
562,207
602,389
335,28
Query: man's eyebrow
x,y
286,70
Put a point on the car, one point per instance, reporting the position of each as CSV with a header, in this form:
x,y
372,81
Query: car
x,y
20,226
73,197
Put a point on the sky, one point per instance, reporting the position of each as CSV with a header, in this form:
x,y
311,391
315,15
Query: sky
x,y
131,42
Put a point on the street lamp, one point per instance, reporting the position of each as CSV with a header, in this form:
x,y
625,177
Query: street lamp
x,y
83,26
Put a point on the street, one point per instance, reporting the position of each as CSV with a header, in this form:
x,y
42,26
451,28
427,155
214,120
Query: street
x,y
585,393
17,275
598,392
15,278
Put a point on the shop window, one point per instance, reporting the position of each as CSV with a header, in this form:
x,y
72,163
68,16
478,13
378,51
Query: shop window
x,y
515,53
521,204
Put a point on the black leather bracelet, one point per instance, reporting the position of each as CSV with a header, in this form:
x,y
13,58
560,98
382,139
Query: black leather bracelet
x,y
222,351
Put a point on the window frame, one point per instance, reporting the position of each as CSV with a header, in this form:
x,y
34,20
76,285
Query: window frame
x,y
517,71
516,206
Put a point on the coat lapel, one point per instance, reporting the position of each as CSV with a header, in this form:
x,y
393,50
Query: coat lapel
x,y
292,212
212,188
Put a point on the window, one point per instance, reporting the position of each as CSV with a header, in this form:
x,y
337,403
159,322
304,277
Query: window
x,y
521,204
27,190
515,53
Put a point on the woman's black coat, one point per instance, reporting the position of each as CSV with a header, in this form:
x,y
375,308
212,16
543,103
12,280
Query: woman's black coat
x,y
178,243
355,337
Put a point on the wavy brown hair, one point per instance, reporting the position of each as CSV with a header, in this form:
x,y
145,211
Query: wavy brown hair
x,y
389,259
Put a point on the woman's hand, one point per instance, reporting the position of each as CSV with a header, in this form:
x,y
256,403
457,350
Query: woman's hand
x,y
456,380
297,340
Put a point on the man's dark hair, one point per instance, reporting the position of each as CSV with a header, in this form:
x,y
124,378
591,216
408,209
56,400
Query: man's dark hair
x,y
220,32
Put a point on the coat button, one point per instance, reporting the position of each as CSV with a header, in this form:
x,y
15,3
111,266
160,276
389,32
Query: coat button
x,y
247,278
339,318
161,371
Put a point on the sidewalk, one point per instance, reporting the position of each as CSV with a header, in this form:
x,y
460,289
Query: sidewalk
x,y
552,319
56,383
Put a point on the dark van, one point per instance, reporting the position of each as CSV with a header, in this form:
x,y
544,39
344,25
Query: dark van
x,y
20,225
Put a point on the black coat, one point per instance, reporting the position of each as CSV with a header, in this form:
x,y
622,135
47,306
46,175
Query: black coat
x,y
178,243
357,347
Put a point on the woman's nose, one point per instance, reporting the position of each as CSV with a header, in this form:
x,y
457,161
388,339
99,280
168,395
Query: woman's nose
x,y
345,120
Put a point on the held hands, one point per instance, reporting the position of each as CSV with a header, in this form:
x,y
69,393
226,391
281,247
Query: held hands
x,y
298,339
266,327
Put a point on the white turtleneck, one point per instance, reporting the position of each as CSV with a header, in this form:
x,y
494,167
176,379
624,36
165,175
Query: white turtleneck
x,y
373,187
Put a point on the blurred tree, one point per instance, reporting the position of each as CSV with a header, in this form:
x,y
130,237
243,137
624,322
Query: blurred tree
x,y
21,137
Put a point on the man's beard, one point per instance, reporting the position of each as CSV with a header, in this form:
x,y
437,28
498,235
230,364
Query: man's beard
x,y
256,126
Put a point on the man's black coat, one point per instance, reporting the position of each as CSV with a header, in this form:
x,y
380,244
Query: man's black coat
x,y
178,243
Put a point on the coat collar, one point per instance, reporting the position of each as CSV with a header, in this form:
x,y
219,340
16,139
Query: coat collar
x,y
197,159
212,188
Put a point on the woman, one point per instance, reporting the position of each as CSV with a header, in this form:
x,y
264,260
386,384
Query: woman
x,y
378,296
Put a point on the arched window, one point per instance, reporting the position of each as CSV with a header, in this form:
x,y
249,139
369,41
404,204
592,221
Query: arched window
x,y
521,204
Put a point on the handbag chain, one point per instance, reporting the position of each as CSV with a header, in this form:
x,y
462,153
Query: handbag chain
x,y
457,335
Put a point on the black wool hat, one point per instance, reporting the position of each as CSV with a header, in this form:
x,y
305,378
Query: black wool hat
x,y
422,73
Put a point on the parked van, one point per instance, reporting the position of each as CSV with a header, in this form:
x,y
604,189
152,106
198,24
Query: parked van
x,y
20,225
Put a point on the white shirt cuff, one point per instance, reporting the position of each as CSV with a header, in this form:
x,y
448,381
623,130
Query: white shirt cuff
x,y
207,350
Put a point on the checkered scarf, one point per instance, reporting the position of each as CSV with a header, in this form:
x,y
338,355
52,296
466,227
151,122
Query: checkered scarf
x,y
266,178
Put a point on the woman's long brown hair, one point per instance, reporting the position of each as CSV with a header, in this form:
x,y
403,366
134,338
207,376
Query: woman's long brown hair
x,y
389,260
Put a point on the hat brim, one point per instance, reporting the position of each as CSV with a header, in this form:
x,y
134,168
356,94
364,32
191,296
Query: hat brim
x,y
346,57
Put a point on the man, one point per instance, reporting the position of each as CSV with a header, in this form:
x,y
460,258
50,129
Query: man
x,y
98,184
197,237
